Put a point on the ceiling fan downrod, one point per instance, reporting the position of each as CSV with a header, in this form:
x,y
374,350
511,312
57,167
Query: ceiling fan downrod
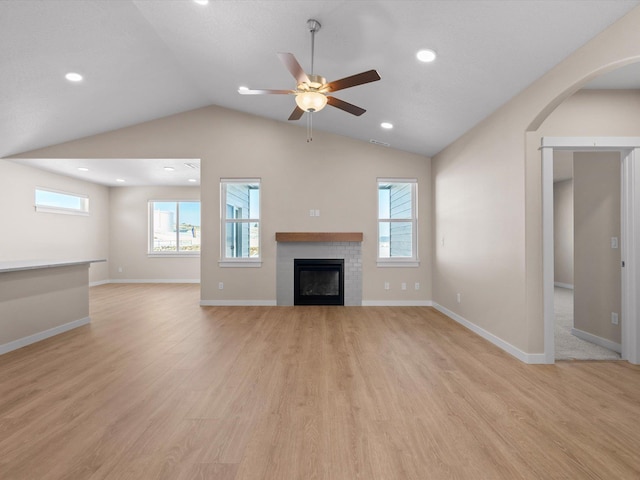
x,y
314,26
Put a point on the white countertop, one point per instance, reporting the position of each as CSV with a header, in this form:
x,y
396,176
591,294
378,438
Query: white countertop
x,y
17,265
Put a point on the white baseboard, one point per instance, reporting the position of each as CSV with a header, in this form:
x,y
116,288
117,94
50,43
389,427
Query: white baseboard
x,y
531,358
36,337
397,303
563,285
603,342
99,282
273,303
156,280
238,303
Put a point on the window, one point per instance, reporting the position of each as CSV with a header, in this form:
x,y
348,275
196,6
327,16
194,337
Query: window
x,y
397,222
52,201
240,214
174,228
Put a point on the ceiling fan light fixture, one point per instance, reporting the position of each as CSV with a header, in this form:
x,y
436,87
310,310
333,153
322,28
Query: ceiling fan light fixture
x,y
311,101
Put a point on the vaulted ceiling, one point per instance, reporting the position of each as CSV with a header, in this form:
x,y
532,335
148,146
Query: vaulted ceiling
x,y
145,59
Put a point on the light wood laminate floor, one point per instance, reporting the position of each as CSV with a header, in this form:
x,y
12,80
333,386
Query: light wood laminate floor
x,y
160,388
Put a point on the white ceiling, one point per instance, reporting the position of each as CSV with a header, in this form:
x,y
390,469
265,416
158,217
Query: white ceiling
x,y
144,59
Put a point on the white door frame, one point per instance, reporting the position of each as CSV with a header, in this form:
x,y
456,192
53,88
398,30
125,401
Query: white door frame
x,y
629,148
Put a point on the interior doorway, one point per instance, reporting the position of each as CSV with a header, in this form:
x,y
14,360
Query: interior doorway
x,y
587,275
629,242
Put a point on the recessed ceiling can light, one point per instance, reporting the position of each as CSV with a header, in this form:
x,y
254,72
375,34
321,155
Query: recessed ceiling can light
x,y
387,125
83,169
73,77
169,169
120,180
192,180
243,89
202,2
426,55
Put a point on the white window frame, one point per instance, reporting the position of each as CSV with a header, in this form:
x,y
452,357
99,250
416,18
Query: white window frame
x,y
250,262
177,253
42,208
413,260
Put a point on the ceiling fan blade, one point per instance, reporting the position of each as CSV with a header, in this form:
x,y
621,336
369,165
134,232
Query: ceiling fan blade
x,y
353,80
294,67
346,106
265,92
296,114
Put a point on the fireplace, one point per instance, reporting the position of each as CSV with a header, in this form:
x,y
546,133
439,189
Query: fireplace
x,y
318,281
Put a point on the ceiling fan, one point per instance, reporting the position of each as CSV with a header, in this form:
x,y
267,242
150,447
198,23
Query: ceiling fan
x,y
312,90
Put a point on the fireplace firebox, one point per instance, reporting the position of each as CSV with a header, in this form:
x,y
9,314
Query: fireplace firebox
x,y
318,281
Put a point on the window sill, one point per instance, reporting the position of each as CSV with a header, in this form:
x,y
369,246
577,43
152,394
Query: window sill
x,y
240,263
398,263
172,255
63,211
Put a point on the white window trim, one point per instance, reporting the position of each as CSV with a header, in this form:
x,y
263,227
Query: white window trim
x,y
402,262
176,254
251,262
62,210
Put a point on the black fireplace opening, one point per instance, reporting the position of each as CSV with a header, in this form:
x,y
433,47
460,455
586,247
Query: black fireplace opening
x,y
318,281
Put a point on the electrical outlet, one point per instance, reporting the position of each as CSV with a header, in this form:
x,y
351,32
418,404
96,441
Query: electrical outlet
x,y
417,285
403,286
386,285
220,286
458,298
614,318
119,269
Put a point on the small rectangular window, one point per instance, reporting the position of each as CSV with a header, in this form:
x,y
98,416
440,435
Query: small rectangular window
x,y
52,201
174,227
397,222
240,220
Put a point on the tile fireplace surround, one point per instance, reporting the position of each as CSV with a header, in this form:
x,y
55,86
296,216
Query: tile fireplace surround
x,y
345,245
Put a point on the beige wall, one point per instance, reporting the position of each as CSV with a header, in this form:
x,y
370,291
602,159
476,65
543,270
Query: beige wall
x,y
597,266
563,232
129,236
27,234
334,174
36,301
488,196
608,113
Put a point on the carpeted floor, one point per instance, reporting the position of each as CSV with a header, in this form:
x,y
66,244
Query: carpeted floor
x,y
568,346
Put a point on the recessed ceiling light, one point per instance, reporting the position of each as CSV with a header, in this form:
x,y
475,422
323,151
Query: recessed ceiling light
x,y
83,169
169,169
201,2
192,180
426,55
120,180
243,89
73,77
387,125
